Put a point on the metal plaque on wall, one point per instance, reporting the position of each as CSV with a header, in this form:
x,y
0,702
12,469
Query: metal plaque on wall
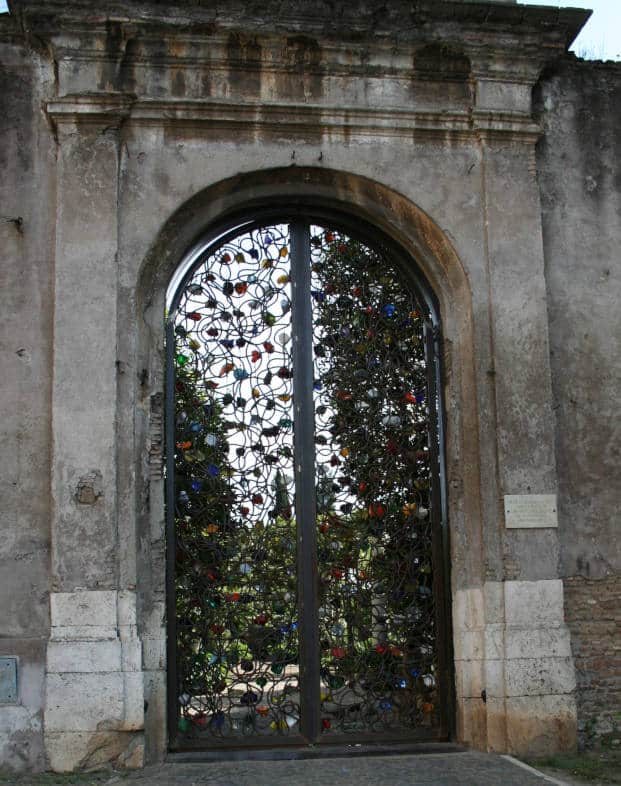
x,y
530,511
8,680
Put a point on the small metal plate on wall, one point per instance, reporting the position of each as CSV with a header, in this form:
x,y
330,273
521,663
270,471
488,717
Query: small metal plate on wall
x,y
8,680
530,511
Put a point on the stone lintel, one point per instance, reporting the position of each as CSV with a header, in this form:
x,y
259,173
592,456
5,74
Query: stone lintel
x,y
357,121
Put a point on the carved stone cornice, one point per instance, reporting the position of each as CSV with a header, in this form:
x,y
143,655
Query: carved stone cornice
x,y
293,119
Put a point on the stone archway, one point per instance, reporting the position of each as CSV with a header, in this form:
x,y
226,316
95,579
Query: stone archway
x,y
406,226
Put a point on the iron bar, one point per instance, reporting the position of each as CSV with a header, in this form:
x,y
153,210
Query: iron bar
x,y
304,458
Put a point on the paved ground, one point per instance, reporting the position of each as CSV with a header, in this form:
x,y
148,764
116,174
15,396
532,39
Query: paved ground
x,y
454,769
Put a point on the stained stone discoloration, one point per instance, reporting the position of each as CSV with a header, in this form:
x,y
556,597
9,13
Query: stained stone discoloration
x,y
131,129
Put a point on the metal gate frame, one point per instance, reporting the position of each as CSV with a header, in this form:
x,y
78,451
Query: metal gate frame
x,y
299,218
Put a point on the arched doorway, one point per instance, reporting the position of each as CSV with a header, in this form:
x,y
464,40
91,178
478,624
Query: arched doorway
x,y
306,534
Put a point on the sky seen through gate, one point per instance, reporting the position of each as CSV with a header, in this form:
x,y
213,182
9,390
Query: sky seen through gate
x,y
600,39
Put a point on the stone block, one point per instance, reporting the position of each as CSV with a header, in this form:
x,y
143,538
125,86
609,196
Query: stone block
x,y
155,715
494,598
534,604
83,656
468,609
133,701
126,608
154,654
496,725
538,643
155,617
541,725
84,608
539,676
468,644
83,633
84,702
469,678
70,751
472,722
494,679
131,654
494,637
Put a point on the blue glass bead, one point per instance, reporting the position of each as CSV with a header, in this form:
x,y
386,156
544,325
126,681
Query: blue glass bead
x,y
241,373
213,470
388,310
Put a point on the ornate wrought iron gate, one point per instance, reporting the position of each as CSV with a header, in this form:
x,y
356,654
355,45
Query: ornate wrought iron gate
x,y
305,546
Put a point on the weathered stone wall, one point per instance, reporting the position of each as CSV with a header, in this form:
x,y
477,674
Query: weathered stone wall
x,y
579,163
27,161
127,136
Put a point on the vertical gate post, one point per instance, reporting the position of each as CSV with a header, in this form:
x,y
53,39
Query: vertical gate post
x,y
94,688
304,458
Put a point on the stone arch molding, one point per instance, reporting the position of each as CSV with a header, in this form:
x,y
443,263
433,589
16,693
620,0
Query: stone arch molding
x,y
392,214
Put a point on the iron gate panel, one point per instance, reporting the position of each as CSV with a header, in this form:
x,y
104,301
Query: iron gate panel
x,y
304,546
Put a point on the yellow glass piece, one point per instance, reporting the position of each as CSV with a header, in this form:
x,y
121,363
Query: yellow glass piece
x,y
284,251
344,452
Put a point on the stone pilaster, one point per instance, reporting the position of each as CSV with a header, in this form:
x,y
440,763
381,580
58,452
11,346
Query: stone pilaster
x,y
94,687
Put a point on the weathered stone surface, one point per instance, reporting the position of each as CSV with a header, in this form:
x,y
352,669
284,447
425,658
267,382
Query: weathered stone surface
x,y
82,609
130,129
84,702
535,724
69,751
579,107
534,604
83,656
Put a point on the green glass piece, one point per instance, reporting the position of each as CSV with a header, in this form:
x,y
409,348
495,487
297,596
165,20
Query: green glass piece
x,y
277,668
261,681
182,359
184,724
